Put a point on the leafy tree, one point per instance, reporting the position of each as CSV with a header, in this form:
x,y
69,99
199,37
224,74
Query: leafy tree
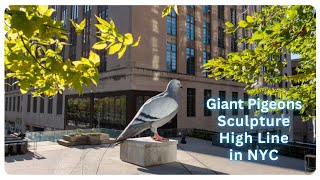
x,y
166,11
275,30
34,41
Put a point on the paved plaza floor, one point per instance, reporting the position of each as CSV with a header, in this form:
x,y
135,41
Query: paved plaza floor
x,y
195,157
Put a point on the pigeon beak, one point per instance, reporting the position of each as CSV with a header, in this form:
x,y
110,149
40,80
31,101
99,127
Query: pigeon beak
x,y
180,86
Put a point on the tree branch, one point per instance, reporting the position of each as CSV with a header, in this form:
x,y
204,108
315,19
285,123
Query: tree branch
x,y
298,34
25,46
67,30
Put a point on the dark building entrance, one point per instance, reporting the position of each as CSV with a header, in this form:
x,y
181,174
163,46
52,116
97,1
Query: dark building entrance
x,y
112,110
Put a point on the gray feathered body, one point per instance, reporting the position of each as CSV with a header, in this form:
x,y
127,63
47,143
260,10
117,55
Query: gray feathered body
x,y
154,113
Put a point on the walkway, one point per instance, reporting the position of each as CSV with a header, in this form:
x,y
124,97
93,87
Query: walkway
x,y
195,157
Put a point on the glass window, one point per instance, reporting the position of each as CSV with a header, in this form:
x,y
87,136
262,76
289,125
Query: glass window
x,y
14,104
123,107
244,12
101,112
41,104
28,103
244,34
172,23
234,98
50,103
59,103
171,57
206,96
245,108
205,58
78,112
233,35
273,98
191,102
74,12
139,102
86,31
64,15
73,34
222,96
206,33
254,8
35,105
110,112
103,13
190,27
206,9
9,103
6,108
190,61
18,104
220,37
265,98
221,12
54,14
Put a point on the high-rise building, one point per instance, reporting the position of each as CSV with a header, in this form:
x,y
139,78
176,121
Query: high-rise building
x,y
173,47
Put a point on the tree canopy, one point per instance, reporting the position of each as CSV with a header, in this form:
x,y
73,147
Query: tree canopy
x,y
274,31
33,45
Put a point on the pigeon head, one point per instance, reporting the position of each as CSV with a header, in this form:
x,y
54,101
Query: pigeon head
x,y
174,86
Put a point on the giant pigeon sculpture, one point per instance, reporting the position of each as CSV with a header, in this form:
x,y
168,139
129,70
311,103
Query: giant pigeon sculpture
x,y
154,113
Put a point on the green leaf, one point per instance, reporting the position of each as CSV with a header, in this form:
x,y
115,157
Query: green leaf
x,y
82,24
77,64
166,11
75,25
257,36
24,87
49,12
95,58
175,7
112,24
250,19
99,45
243,23
128,39
122,51
78,27
102,21
229,24
42,9
136,43
115,48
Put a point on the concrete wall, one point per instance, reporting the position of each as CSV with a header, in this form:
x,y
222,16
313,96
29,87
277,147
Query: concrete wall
x,y
40,120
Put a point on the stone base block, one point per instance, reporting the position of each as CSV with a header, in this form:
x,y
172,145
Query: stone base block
x,y
147,152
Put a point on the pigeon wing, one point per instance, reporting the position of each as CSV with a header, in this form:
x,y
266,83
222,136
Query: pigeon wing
x,y
154,109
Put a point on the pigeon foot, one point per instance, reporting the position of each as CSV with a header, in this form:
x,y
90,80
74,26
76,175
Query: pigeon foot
x,y
157,137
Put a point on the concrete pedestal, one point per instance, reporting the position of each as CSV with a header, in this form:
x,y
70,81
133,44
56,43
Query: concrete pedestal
x,y
147,152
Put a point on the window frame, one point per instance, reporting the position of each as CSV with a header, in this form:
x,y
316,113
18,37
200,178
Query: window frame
x,y
191,102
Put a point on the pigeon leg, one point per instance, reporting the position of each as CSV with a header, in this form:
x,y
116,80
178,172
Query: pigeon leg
x,y
157,137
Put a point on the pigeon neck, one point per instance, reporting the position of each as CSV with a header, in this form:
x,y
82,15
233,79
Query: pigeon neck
x,y
173,94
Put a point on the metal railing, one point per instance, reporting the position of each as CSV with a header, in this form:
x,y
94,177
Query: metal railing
x,y
290,149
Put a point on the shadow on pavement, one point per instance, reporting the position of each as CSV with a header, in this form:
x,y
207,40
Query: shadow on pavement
x,y
177,168
205,147
23,157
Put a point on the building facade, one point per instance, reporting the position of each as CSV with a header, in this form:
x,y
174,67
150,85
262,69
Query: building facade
x,y
174,47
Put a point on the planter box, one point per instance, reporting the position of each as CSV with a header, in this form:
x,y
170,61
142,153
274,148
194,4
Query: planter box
x,y
98,139
84,140
76,140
